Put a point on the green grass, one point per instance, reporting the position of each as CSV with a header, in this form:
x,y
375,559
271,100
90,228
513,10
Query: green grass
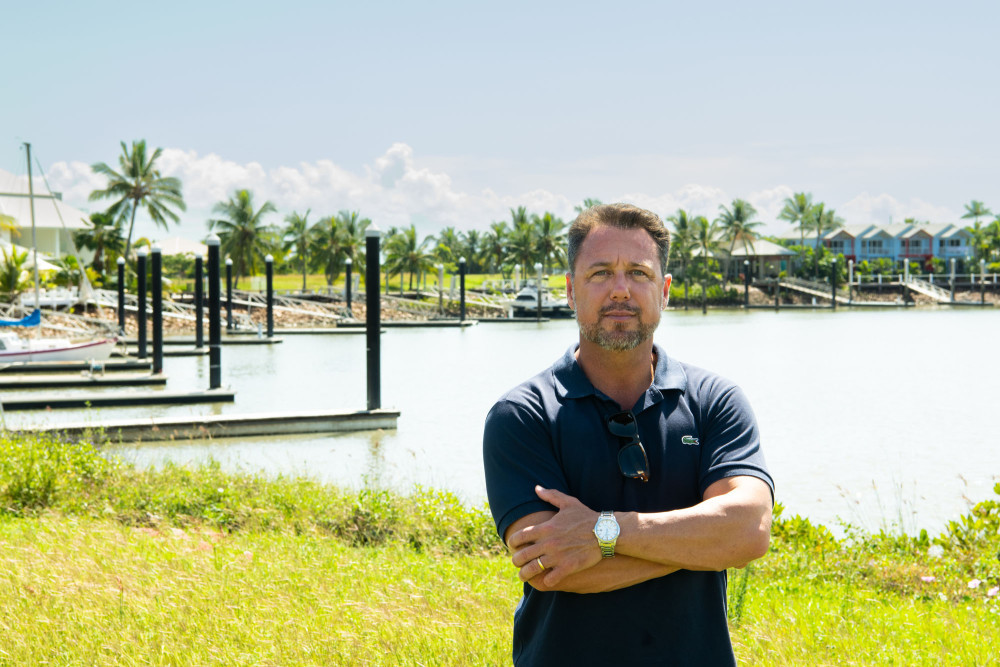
x,y
104,564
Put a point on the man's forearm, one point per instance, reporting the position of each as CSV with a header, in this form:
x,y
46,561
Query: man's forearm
x,y
610,574
725,531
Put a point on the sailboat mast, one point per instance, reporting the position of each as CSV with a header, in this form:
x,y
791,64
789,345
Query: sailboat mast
x,y
34,238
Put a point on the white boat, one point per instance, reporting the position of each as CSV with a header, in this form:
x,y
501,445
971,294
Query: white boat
x,y
525,304
13,348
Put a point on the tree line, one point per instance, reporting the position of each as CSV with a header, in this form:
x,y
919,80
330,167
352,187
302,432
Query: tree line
x,y
701,247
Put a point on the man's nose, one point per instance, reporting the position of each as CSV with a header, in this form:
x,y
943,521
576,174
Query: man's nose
x,y
619,286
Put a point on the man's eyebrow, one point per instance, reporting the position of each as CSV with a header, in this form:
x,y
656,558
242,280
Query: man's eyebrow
x,y
629,265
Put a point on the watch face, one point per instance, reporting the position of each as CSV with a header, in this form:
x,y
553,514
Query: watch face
x,y
606,529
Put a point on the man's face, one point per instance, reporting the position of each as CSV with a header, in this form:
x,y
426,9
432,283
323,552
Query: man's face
x,y
617,288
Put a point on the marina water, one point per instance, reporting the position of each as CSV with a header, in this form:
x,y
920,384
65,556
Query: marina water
x,y
879,418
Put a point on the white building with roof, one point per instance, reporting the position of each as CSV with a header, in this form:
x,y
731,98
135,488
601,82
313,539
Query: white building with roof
x,y
54,219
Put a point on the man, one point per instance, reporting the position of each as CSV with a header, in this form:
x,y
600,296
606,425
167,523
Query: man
x,y
624,482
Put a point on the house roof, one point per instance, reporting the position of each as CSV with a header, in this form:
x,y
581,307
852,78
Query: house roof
x,y
948,231
875,232
762,248
15,202
916,230
854,231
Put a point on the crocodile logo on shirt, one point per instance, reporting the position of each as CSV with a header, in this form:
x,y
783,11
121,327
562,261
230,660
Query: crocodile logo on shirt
x,y
689,440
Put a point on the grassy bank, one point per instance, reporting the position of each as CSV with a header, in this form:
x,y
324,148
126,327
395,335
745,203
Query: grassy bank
x,y
101,563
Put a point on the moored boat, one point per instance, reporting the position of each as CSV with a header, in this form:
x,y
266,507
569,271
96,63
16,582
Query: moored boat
x,y
13,348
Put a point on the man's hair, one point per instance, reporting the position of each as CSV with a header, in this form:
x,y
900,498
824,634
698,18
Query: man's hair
x,y
622,216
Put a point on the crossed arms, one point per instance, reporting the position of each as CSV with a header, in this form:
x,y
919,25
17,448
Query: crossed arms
x,y
729,528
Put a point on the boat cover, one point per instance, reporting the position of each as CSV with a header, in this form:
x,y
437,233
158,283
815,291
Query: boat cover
x,y
32,320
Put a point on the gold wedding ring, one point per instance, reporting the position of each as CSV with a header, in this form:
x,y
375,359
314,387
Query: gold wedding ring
x,y
539,560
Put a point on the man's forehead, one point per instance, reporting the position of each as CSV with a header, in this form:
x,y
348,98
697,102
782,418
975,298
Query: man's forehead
x,y
606,244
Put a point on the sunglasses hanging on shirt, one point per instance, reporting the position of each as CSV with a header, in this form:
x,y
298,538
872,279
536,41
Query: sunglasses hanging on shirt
x,y
632,459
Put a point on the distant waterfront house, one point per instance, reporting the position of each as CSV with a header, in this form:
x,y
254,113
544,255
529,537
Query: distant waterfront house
x,y
53,235
767,259
876,243
899,242
950,241
845,240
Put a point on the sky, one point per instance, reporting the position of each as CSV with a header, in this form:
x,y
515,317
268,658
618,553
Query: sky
x,y
451,113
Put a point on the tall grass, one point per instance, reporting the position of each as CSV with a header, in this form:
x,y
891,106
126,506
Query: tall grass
x,y
105,564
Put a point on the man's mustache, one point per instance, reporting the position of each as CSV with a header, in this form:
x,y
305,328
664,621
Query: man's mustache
x,y
635,310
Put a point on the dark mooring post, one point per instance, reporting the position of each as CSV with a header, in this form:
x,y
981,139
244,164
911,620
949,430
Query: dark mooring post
x,y
229,294
982,282
199,303
850,281
833,284
373,315
953,280
348,265
538,301
140,269
156,262
746,284
214,324
121,296
269,271
461,289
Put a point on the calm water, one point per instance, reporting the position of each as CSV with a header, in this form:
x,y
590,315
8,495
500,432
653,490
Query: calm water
x,y
870,417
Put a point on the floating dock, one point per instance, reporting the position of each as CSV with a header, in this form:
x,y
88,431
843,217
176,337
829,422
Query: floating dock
x,y
119,399
38,381
108,366
223,426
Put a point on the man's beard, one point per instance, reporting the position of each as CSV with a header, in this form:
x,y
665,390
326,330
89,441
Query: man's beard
x,y
618,339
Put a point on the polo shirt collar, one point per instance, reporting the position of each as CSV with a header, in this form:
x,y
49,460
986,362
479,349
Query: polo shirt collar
x,y
572,382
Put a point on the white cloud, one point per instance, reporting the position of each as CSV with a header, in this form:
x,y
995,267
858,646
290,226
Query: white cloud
x,y
883,208
397,189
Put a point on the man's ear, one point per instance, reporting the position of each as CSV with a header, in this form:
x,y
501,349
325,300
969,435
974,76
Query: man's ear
x,y
569,291
666,290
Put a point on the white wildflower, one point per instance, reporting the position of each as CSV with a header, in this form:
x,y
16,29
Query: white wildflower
x,y
936,551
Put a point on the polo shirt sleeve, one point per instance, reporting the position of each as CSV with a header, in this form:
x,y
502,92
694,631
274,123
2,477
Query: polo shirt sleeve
x,y
731,439
518,453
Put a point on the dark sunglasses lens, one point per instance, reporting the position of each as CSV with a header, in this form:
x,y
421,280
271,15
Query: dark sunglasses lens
x,y
632,461
622,425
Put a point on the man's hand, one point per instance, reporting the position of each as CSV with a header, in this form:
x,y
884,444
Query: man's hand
x,y
564,544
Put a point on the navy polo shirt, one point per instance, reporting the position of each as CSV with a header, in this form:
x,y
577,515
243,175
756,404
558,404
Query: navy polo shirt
x,y
697,428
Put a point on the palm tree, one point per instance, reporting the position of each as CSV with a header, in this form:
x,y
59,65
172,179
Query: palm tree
x,y
139,184
587,203
993,236
737,224
352,237
298,240
244,236
550,240
327,247
405,254
495,246
13,277
104,238
682,244
521,245
706,242
821,220
449,246
518,216
796,211
975,210
472,249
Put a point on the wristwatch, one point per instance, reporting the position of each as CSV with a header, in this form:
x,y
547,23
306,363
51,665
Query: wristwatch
x,y
607,529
